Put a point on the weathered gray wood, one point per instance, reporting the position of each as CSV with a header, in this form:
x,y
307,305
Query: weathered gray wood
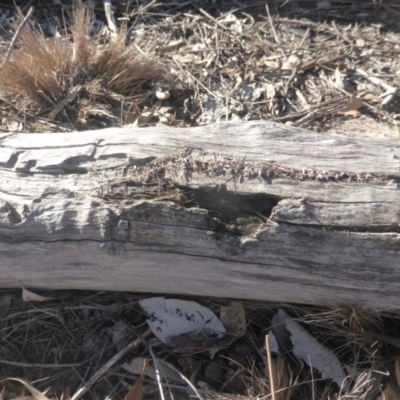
x,y
257,141
77,211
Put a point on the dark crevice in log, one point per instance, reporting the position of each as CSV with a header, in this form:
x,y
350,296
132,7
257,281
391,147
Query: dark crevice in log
x,y
230,213
234,213
63,170
229,205
12,161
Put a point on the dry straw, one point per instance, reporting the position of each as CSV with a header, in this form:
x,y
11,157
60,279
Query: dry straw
x,y
75,77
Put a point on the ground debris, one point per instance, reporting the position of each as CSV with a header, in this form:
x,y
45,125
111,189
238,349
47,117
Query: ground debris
x,y
303,63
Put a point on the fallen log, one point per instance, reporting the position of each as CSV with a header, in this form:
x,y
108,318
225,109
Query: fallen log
x,y
252,210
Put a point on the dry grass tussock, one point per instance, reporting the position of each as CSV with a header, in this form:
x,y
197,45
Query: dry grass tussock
x,y
79,79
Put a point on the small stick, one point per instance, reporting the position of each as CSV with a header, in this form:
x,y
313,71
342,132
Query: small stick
x,y
70,97
110,18
16,34
272,26
109,364
390,90
291,77
270,372
304,38
35,365
204,12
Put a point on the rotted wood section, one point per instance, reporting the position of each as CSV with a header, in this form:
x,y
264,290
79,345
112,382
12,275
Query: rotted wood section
x,y
252,210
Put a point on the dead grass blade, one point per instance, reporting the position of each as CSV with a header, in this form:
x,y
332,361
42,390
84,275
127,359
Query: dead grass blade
x,y
270,370
17,32
78,79
35,393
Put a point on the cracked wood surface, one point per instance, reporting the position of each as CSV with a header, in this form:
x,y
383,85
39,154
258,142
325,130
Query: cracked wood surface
x,y
70,219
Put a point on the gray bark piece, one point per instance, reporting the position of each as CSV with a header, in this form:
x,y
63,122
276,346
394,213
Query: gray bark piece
x,y
77,212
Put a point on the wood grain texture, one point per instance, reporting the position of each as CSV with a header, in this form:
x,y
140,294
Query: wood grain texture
x,y
76,213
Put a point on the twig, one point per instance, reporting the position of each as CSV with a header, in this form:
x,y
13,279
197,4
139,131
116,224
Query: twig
x,y
304,38
109,364
278,42
110,19
390,90
205,13
270,372
34,365
291,77
141,9
321,107
70,97
185,71
16,34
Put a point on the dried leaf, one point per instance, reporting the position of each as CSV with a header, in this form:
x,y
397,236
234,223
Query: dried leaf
x,y
29,296
360,42
308,349
173,318
339,79
281,334
302,99
15,126
353,107
35,393
294,59
183,58
135,392
270,91
272,64
273,343
351,113
145,118
234,23
287,66
172,45
373,98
